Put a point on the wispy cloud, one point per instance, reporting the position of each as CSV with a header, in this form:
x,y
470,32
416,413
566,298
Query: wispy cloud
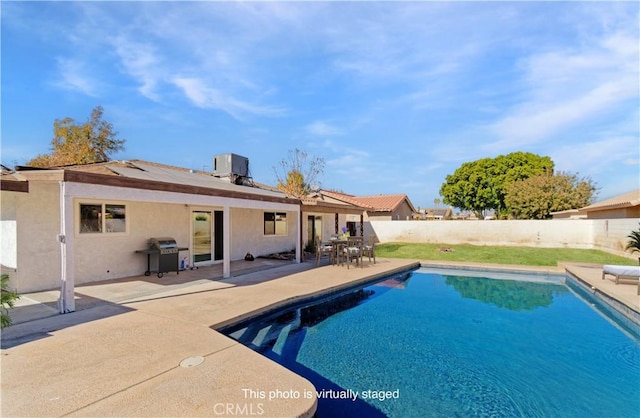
x,y
206,97
322,128
139,60
73,75
596,156
368,86
558,95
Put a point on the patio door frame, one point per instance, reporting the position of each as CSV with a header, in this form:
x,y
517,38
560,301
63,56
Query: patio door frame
x,y
216,232
315,228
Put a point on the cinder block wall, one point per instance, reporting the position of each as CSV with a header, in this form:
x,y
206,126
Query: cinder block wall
x,y
605,234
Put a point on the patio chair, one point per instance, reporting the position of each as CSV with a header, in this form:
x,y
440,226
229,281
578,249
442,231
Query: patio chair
x,y
368,249
353,250
322,249
623,273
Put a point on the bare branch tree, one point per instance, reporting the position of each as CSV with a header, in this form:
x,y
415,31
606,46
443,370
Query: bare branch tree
x,y
297,176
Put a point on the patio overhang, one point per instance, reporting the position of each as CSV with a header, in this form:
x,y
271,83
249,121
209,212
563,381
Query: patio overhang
x,y
74,185
328,207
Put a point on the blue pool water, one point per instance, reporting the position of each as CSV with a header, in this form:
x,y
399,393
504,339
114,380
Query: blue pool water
x,y
445,345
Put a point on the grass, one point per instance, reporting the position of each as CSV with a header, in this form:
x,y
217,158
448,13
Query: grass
x,y
526,256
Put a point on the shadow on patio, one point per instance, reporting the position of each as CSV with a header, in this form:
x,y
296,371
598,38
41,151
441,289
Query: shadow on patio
x,y
114,292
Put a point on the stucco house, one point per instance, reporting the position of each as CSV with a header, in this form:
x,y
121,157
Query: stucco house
x,y
323,219
626,205
79,224
326,216
380,208
434,214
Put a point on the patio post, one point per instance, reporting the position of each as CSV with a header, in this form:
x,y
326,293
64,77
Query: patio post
x,y
226,239
66,301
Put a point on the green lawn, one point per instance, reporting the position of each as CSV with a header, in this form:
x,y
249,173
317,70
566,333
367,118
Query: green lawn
x,y
499,255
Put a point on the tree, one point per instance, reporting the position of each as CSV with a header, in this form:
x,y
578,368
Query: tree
x,y
296,176
634,242
7,301
479,185
72,143
536,197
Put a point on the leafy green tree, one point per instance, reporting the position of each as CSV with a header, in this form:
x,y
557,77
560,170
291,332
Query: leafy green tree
x,y
297,176
634,242
73,143
478,185
536,197
7,301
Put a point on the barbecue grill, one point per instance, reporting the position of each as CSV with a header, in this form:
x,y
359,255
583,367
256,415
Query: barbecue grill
x,y
166,250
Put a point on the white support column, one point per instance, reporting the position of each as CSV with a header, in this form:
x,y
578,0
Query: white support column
x,y
299,239
226,242
66,302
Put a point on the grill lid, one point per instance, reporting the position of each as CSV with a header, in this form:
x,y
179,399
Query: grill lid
x,y
162,243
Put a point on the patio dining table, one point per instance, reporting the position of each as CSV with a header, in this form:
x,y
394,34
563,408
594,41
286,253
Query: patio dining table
x,y
339,245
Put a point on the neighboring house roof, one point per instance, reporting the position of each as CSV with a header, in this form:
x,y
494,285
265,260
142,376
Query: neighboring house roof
x,y
379,203
626,200
438,211
347,198
317,205
315,202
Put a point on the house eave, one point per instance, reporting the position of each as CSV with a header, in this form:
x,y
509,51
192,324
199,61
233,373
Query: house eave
x,y
118,181
14,186
326,207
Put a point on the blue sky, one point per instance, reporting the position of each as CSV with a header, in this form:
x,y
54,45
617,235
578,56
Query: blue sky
x,y
392,95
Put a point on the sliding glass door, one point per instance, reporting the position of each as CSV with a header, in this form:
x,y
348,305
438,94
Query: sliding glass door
x,y
201,236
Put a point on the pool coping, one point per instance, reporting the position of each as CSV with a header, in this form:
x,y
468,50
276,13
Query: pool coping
x,y
319,294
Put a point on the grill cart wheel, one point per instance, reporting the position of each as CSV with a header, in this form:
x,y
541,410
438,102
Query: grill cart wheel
x,y
160,275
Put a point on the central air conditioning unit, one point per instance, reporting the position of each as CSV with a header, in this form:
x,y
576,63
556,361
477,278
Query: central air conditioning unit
x,y
233,167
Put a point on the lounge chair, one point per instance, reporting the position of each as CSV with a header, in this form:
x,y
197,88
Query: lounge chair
x,y
623,273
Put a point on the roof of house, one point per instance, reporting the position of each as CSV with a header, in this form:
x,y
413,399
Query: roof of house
x,y
144,174
437,211
626,200
379,203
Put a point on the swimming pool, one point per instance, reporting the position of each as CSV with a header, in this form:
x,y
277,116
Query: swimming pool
x,y
439,343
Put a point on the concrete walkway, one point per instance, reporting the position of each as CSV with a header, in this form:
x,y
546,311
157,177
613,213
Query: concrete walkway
x,y
124,359
145,346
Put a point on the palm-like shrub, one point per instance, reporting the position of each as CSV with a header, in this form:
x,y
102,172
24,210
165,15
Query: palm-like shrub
x,y
7,300
634,242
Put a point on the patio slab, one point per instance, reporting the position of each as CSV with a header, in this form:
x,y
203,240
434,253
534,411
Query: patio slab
x,y
123,359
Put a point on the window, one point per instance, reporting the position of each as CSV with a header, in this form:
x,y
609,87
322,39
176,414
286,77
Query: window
x,y
275,223
102,218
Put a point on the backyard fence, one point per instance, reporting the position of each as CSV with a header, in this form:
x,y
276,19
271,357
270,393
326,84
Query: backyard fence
x,y
603,234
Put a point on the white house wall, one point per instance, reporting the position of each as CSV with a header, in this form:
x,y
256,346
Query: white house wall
x,y
37,248
106,256
248,234
8,232
328,224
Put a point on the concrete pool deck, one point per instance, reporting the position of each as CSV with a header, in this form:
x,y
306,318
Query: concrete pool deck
x,y
120,353
123,358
